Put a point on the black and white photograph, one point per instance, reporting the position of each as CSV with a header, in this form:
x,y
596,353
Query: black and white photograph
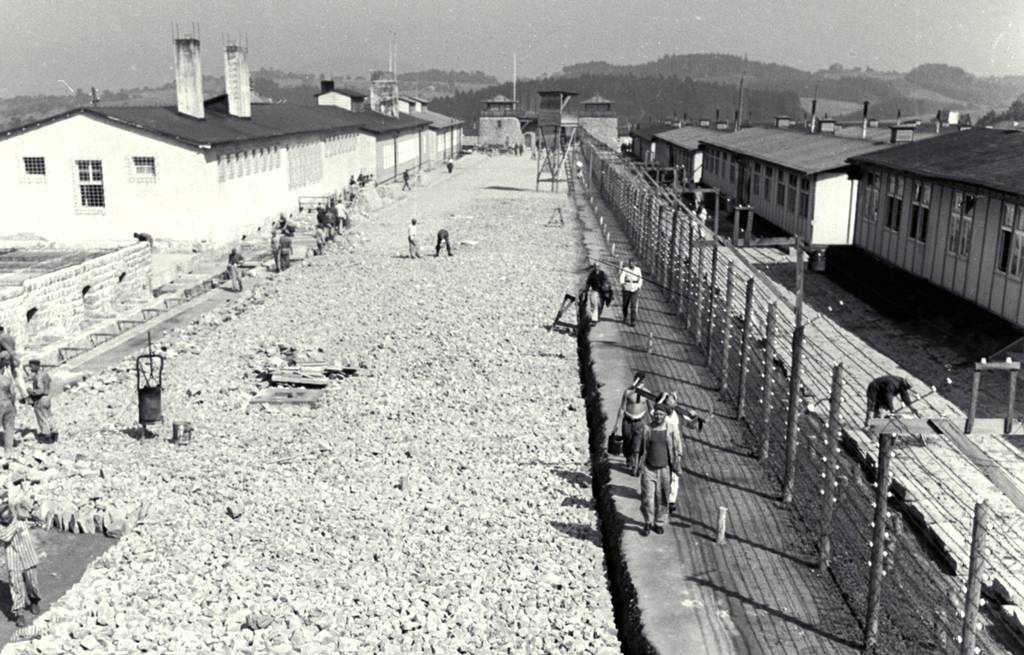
x,y
663,327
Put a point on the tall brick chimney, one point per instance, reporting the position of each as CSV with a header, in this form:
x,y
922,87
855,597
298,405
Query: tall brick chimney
x,y
384,93
236,81
188,77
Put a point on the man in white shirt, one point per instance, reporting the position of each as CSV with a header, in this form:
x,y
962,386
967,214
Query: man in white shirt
x,y
631,279
414,248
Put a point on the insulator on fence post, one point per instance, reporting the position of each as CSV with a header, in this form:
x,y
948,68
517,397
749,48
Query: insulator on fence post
x,y
723,521
650,343
613,250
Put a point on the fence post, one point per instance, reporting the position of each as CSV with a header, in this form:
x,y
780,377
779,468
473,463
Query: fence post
x,y
748,308
792,413
974,574
673,260
769,379
1008,423
712,290
975,385
698,312
727,329
831,450
883,476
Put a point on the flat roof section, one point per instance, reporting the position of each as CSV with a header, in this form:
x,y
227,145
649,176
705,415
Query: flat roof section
x,y
805,153
20,264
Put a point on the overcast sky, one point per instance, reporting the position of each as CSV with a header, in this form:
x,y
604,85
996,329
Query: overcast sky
x,y
113,44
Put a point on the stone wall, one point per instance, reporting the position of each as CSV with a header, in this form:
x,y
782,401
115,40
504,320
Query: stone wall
x,y
499,131
54,305
603,128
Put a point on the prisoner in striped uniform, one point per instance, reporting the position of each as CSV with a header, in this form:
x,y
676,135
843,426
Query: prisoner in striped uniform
x,y
22,561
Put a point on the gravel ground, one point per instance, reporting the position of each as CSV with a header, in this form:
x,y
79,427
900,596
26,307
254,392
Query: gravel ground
x,y
438,502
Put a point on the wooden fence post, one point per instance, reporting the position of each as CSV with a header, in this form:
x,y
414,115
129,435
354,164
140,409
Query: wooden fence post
x,y
968,633
830,460
749,235
974,402
769,379
748,308
673,260
736,227
792,414
798,306
883,476
1008,423
726,329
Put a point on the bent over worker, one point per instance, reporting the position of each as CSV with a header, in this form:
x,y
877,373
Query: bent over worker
x,y
632,411
442,236
655,455
883,390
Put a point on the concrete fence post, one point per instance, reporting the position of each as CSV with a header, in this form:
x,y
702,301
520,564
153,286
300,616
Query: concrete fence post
x,y
712,292
828,491
726,328
883,477
741,392
972,599
769,380
792,414
698,289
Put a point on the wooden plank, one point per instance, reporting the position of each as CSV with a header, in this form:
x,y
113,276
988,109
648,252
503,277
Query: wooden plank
x,y
288,396
988,466
301,380
900,425
997,366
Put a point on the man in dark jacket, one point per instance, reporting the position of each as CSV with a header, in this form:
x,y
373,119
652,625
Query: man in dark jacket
x,y
598,292
883,390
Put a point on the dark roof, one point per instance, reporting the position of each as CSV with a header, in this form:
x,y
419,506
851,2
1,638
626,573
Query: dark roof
x,y
269,121
685,137
554,91
992,159
799,151
437,121
355,95
650,130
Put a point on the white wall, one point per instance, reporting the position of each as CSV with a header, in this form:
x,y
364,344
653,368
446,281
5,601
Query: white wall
x,y
834,201
171,205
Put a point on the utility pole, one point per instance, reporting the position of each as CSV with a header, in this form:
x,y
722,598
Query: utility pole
x,y
513,81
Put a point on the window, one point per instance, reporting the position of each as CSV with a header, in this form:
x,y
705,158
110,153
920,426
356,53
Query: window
x,y
895,203
791,200
144,166
90,183
1011,241
767,188
732,169
757,179
919,211
961,224
780,190
870,209
805,196
35,167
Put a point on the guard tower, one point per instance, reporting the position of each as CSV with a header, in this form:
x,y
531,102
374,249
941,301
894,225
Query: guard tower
x,y
554,139
598,119
499,125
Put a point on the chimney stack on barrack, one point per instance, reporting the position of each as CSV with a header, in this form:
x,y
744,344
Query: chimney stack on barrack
x,y
236,81
864,126
188,77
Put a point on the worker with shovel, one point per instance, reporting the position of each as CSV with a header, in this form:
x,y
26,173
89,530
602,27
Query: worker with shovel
x,y
883,390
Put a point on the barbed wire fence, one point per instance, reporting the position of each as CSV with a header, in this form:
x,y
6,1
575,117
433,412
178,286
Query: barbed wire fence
x,y
792,395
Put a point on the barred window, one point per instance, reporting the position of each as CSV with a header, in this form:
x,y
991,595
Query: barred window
x,y
144,166
34,166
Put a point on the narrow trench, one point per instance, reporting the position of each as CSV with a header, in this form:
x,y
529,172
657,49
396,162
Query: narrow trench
x,y
620,585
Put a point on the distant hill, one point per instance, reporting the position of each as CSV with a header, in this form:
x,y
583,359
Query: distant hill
x,y
919,92
637,98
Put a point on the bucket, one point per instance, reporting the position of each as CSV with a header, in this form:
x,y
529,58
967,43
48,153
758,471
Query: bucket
x,y
149,405
181,433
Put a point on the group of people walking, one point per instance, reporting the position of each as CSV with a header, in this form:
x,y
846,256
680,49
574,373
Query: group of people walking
x,y
598,292
651,440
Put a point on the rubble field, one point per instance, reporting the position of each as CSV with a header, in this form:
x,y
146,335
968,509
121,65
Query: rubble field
x,y
436,501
